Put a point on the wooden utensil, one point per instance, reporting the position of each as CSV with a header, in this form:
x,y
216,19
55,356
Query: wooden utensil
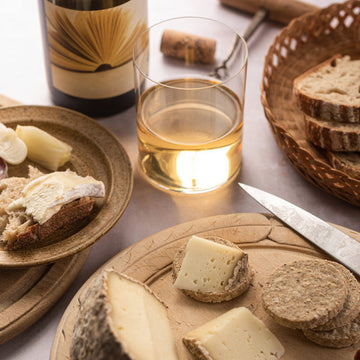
x,y
282,11
279,10
268,244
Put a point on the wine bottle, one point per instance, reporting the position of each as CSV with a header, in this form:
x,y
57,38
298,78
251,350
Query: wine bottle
x,y
88,52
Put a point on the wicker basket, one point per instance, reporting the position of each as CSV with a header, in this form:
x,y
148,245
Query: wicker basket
x,y
305,42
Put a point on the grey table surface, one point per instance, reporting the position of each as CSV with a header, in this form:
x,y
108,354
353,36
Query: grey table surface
x,y
22,77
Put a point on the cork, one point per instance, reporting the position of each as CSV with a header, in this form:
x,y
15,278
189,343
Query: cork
x,y
189,47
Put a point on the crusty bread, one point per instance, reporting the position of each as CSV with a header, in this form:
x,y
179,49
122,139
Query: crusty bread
x,y
332,135
68,214
18,230
348,162
330,90
15,222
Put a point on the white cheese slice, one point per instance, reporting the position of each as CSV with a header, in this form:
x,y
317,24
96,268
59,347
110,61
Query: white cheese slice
x,y
141,321
44,196
237,334
12,149
207,266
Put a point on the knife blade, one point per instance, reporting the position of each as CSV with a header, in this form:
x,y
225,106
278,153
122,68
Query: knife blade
x,y
334,242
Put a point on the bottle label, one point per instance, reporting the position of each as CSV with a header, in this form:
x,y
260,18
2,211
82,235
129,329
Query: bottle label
x,y
90,52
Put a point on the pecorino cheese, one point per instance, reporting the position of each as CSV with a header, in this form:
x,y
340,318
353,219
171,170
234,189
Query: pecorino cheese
x,y
237,334
207,266
122,319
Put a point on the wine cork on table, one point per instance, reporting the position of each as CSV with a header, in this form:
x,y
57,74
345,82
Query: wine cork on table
x,y
191,48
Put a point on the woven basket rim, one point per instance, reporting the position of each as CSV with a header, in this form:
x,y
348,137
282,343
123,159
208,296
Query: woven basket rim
x,y
311,22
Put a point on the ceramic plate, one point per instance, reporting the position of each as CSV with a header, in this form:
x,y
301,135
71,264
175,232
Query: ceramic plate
x,y
96,152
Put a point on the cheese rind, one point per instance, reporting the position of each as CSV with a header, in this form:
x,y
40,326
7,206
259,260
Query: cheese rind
x,y
140,320
234,335
207,266
121,319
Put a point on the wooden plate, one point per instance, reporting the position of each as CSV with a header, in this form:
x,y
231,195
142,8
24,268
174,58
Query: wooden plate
x,y
27,294
268,243
97,152
304,43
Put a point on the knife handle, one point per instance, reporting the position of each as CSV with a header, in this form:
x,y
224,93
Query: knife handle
x,y
282,11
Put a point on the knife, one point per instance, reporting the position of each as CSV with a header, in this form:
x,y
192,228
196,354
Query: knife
x,y
336,243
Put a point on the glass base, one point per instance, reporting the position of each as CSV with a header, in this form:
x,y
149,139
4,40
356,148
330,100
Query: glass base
x,y
163,183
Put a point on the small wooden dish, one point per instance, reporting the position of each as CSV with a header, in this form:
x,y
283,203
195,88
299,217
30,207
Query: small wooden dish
x,y
268,244
304,43
96,152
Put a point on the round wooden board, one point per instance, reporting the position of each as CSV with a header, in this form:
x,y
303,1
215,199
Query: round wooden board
x,y
268,243
27,294
96,152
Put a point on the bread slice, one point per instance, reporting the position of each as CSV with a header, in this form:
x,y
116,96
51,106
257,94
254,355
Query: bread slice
x,y
14,223
348,162
330,91
332,135
19,230
68,214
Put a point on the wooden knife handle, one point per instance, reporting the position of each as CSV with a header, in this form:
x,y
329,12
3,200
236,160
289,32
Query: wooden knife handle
x,y
279,10
6,101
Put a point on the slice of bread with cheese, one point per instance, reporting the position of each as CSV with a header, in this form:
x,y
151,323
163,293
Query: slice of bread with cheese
x,y
330,91
121,318
34,208
236,334
211,270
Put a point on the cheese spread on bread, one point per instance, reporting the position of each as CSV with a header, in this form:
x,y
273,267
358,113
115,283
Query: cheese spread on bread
x,y
44,196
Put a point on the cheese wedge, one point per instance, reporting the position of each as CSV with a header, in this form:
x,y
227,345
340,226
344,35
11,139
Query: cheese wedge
x,y
44,148
237,334
207,266
121,318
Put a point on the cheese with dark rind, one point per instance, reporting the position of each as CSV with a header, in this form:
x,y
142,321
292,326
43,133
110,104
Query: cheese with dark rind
x,y
236,334
235,277
121,318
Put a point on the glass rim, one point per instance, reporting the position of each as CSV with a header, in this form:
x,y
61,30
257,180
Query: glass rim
x,y
220,82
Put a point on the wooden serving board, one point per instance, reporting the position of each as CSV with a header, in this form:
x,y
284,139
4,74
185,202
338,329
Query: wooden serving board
x,y
27,294
268,243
